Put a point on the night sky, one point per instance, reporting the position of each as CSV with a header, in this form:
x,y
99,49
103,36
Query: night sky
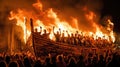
x,y
109,7
112,8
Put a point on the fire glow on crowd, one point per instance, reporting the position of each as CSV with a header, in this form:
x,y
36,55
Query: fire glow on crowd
x,y
50,19
47,33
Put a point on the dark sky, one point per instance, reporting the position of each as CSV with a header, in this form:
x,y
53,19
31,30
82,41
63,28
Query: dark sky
x,y
109,7
112,8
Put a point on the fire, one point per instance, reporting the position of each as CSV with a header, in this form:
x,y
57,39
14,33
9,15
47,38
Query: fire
x,y
21,21
63,25
100,34
59,24
90,16
110,28
38,5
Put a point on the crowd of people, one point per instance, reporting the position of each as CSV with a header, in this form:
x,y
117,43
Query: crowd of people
x,y
25,59
76,38
86,58
97,58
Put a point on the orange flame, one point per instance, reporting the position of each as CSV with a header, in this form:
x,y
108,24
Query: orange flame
x,y
20,21
63,25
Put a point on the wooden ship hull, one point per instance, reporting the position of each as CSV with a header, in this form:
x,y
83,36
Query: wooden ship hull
x,y
42,46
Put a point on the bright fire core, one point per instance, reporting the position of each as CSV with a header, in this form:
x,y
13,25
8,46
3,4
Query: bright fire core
x,y
50,19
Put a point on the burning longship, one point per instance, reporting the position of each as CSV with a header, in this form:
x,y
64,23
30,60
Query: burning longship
x,y
73,44
49,33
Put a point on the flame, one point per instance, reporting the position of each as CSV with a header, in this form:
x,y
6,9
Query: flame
x,y
38,5
110,28
100,34
63,25
90,16
20,22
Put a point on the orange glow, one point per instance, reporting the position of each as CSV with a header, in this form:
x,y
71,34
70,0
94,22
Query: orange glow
x,y
63,25
22,15
110,28
20,22
100,34
38,5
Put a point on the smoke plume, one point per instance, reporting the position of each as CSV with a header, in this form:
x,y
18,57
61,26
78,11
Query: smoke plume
x,y
65,9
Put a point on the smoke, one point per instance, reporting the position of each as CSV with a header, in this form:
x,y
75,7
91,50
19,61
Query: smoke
x,y
6,25
66,10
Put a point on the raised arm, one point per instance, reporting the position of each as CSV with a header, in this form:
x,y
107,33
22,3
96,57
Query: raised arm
x,y
60,31
40,29
49,31
53,29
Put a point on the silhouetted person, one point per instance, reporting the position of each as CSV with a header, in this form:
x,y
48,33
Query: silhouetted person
x,y
40,30
79,39
63,37
37,64
13,64
57,35
36,33
47,63
101,62
1,58
115,62
72,62
75,40
94,62
27,62
108,61
45,34
68,38
36,30
81,63
3,64
7,59
89,62
54,62
60,62
72,39
19,61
